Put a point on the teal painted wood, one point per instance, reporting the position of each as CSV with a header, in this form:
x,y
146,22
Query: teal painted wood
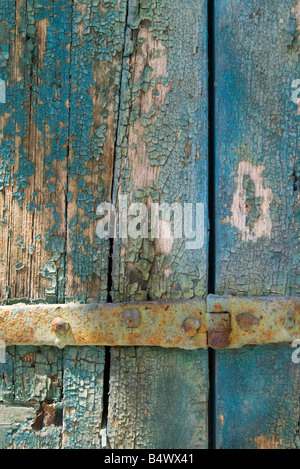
x,y
51,398
31,374
159,398
162,144
257,210
34,44
96,55
31,383
61,64
258,398
161,157
34,135
257,140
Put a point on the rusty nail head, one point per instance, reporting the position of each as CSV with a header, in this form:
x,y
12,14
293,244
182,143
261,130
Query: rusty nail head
x,y
60,327
131,318
247,321
191,326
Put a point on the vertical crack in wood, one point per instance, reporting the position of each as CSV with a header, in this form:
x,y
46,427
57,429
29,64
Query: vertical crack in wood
x,y
211,201
68,154
107,366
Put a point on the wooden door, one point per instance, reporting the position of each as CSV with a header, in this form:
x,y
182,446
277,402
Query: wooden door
x,y
103,99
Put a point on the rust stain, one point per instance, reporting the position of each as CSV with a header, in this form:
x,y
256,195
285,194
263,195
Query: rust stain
x,y
191,326
183,324
218,308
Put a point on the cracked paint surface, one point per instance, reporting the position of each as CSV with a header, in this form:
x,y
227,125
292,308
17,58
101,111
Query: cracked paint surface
x,y
62,63
257,191
162,145
161,157
83,76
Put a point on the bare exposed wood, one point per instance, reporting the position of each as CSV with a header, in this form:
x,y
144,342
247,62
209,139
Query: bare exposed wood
x,y
34,150
161,157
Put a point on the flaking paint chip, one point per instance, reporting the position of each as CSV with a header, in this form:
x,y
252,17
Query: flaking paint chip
x,y
19,266
2,92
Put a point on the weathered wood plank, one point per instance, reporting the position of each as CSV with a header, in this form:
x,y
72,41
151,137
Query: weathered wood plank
x,y
61,62
257,213
35,39
59,395
83,397
34,137
96,54
31,376
43,180
158,399
161,157
257,148
162,147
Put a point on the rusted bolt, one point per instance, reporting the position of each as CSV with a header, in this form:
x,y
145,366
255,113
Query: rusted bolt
x,y
246,321
131,318
191,326
60,327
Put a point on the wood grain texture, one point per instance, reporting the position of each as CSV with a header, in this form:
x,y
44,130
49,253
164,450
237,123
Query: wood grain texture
x,y
161,157
49,185
96,55
257,213
34,136
61,63
162,144
35,38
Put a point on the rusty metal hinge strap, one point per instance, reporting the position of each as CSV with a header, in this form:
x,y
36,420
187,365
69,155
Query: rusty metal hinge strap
x,y
217,322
